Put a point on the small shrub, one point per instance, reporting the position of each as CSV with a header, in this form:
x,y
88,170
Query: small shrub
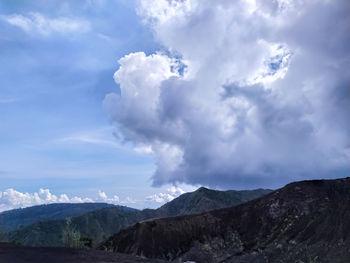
x,y
71,237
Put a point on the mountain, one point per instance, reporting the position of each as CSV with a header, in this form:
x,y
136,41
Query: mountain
x,y
101,224
14,219
204,199
306,221
95,225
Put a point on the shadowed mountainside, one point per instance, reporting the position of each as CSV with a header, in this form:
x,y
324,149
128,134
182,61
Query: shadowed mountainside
x,y
97,225
16,218
101,224
306,221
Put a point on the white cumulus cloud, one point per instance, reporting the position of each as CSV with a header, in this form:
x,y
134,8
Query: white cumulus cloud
x,y
171,194
247,93
11,199
104,198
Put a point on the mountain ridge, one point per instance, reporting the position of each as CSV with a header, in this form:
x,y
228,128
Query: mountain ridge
x,y
305,221
12,219
99,225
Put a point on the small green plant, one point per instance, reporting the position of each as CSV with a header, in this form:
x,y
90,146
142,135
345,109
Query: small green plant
x,y
71,237
207,247
16,242
86,242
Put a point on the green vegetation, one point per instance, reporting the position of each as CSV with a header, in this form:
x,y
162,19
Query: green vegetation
x,y
96,225
205,199
86,242
71,237
18,218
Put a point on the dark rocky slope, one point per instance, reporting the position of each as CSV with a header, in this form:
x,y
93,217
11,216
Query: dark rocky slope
x,y
17,254
306,221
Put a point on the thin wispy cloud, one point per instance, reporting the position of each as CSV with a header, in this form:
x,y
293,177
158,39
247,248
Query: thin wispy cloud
x,y
85,138
38,23
102,137
9,100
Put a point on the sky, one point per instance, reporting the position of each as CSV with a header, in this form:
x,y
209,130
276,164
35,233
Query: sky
x,y
134,102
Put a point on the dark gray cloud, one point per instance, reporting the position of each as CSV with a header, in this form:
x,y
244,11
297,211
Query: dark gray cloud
x,y
263,99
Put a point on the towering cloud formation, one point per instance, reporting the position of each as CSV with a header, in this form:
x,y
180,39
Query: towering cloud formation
x,y
246,93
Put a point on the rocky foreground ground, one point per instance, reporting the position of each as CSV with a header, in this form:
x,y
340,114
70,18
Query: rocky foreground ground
x,y
17,254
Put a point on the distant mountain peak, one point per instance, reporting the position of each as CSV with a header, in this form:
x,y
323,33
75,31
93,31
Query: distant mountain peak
x,y
203,189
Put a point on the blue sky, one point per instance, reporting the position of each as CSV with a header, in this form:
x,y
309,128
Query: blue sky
x,y
129,98
54,132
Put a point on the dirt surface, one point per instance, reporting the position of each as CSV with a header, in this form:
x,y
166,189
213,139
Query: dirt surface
x,y
18,254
